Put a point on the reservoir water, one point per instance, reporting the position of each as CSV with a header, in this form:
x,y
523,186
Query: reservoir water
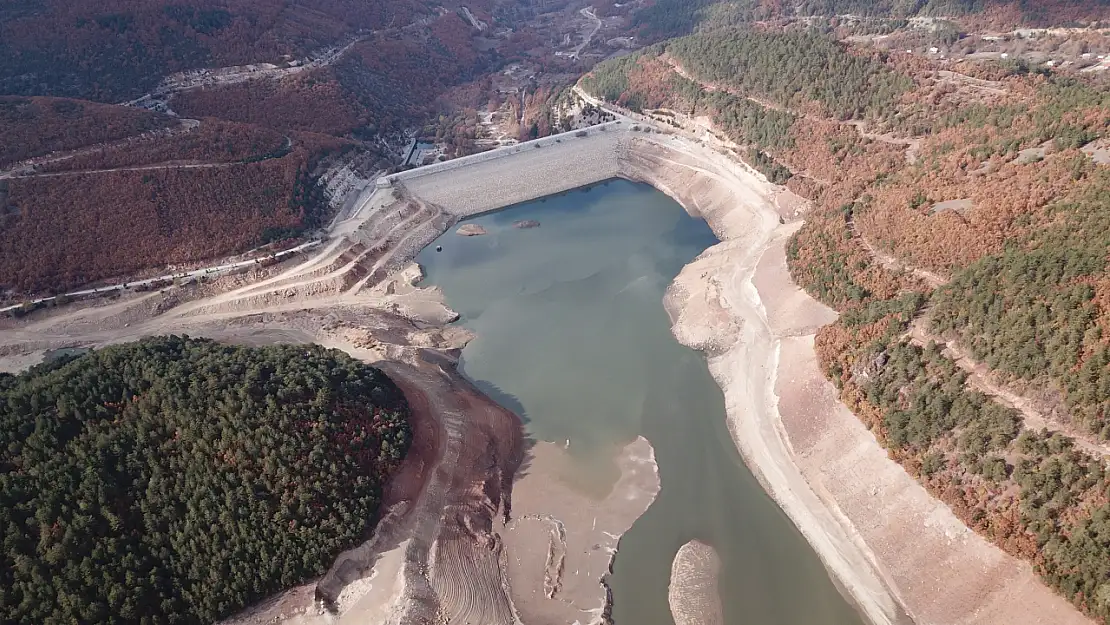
x,y
572,335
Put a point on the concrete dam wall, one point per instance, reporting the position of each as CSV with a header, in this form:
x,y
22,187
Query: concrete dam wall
x,y
510,175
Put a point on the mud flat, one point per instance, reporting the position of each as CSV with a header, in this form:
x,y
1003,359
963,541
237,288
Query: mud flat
x,y
694,593
560,544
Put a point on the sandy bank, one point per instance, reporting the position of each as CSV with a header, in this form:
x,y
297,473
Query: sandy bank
x,y
899,554
470,230
693,594
561,543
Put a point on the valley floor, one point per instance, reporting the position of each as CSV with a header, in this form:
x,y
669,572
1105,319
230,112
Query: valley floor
x,y
451,548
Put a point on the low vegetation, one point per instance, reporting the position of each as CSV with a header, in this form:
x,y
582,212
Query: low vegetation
x,y
1031,492
113,51
1037,311
795,69
770,93
670,18
1027,256
176,480
213,141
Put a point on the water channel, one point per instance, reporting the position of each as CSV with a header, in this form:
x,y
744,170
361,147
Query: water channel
x,y
572,335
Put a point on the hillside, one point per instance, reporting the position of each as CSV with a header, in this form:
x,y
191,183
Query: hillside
x,y
31,127
218,189
958,225
177,480
115,51
668,18
239,166
383,84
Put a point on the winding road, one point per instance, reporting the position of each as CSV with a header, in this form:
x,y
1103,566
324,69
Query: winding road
x,y
211,271
589,13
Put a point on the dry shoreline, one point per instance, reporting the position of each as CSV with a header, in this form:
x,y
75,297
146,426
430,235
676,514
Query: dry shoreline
x,y
899,554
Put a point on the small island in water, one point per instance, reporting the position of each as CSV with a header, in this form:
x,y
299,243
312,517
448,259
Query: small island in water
x,y
470,230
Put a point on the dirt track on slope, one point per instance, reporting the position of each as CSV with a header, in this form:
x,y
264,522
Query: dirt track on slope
x,y
980,378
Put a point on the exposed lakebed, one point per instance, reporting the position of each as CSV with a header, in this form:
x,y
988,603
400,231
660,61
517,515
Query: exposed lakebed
x,y
572,335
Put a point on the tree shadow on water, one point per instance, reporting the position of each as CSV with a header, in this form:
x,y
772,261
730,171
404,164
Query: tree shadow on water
x,y
504,398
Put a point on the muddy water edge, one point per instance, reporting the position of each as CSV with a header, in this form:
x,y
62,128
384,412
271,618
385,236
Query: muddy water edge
x,y
572,335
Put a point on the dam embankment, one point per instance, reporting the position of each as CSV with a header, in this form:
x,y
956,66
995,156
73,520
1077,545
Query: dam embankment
x,y
527,171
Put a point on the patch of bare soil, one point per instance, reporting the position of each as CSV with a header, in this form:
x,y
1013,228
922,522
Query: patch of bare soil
x,y
452,568
1099,151
961,206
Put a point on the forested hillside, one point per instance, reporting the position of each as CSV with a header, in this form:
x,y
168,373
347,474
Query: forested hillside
x,y
1038,310
758,87
998,196
176,480
58,232
793,70
239,166
382,85
32,127
211,142
117,50
669,18
959,207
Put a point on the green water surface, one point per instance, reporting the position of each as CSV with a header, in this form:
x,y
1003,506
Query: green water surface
x,y
572,335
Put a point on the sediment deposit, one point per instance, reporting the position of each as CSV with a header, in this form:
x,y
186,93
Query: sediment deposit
x,y
561,543
694,593
470,230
